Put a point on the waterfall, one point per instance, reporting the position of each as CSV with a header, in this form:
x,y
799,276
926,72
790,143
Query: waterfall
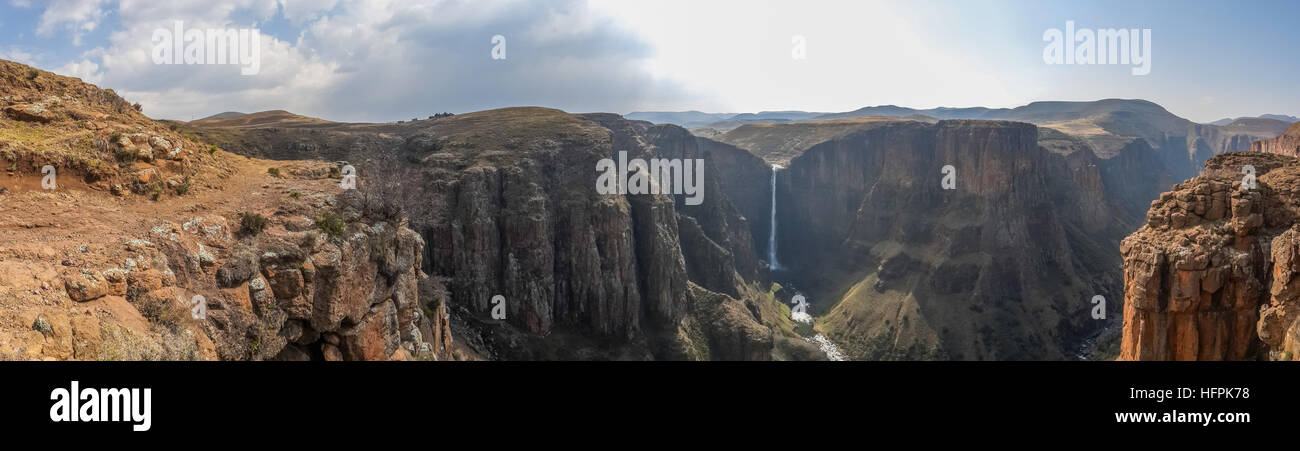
x,y
771,236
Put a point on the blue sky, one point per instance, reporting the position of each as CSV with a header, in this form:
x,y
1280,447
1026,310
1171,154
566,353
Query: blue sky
x,y
380,60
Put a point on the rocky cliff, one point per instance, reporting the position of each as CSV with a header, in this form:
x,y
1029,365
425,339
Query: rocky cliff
x,y
1211,276
507,205
144,242
1286,144
1001,267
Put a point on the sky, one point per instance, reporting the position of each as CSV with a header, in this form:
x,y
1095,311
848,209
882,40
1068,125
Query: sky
x,y
385,60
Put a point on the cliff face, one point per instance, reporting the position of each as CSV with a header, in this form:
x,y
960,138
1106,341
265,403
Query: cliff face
x,y
506,204
1286,144
526,223
1001,267
1211,274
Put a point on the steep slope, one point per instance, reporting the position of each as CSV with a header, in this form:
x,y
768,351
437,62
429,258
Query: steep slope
x,y
1002,267
151,244
1211,276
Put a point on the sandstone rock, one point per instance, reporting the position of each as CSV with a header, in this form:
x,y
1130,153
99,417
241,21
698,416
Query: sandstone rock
x,y
84,286
1195,289
30,113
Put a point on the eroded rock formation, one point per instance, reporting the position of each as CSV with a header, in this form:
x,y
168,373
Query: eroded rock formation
x,y
1211,274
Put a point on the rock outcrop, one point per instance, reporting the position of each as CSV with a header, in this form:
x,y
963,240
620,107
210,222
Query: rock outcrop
x,y
202,265
1211,274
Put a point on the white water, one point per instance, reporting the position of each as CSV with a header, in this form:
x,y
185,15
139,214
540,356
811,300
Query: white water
x,y
771,236
825,344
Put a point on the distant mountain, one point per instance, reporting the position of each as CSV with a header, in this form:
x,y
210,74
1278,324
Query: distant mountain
x,y
1264,127
1280,117
225,115
1106,126
775,116
721,121
681,118
1276,117
261,119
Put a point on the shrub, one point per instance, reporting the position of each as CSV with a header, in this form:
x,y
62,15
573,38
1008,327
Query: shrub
x,y
138,106
125,156
162,311
331,224
251,224
184,187
275,172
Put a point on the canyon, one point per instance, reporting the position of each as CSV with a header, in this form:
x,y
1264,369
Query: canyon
x,y
246,213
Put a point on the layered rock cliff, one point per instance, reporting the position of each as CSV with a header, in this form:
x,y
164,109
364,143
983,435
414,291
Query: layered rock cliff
x,y
506,202
1211,276
1003,266
1286,144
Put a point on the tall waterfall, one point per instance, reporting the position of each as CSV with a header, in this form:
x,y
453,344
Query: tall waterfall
x,y
771,236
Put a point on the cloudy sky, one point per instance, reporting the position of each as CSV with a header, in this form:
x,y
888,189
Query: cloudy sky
x,y
382,60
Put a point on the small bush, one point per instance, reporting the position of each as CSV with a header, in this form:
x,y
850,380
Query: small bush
x,y
138,106
335,172
125,156
275,172
295,195
251,224
212,148
331,224
183,188
164,312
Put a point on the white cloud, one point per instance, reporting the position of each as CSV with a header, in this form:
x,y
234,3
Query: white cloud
x,y
86,70
858,53
379,60
19,55
73,16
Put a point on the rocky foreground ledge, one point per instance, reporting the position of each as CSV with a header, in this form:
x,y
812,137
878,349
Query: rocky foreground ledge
x,y
1212,274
